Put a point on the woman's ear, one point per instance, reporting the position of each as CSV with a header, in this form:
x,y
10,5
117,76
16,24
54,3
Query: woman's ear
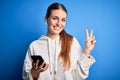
x,y
46,20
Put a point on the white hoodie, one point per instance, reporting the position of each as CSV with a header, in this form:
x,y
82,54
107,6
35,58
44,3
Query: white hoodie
x,y
49,49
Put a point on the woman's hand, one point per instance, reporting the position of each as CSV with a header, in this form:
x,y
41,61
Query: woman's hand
x,y
35,71
90,43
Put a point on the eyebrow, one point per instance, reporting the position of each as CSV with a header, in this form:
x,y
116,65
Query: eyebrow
x,y
57,17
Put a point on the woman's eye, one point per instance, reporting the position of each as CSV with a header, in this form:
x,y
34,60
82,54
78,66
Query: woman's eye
x,y
64,20
54,18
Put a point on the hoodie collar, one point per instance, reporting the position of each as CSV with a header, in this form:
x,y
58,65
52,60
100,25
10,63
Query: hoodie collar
x,y
44,37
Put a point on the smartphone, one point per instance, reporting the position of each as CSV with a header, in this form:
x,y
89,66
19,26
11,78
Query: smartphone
x,y
38,57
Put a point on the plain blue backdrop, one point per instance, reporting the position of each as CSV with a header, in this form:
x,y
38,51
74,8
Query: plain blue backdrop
x,y
22,21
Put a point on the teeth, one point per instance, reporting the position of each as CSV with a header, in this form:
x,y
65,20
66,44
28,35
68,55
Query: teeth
x,y
57,28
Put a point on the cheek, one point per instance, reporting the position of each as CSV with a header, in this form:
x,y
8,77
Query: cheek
x,y
51,23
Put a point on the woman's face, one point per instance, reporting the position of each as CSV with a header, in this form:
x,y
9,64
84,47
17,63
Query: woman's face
x,y
56,21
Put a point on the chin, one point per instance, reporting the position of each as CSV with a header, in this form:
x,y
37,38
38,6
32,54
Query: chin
x,y
56,32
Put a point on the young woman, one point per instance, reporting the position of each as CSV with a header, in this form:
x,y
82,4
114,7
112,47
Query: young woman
x,y
62,53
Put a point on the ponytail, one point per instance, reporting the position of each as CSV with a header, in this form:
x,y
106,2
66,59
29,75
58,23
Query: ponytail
x,y
66,42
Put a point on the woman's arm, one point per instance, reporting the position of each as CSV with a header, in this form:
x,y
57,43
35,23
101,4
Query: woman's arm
x,y
31,70
82,64
27,66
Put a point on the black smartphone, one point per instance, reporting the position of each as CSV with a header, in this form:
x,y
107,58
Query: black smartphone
x,y
37,57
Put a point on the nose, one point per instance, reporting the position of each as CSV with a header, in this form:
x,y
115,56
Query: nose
x,y
58,23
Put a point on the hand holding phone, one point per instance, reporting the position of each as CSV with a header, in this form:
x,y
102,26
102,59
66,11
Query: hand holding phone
x,y
38,67
37,57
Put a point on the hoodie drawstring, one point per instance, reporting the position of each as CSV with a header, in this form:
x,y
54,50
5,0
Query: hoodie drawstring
x,y
55,70
50,59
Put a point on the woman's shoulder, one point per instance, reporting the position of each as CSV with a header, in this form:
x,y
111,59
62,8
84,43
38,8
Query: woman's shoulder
x,y
75,40
38,41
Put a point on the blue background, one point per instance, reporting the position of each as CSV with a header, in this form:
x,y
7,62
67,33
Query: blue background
x,y
22,21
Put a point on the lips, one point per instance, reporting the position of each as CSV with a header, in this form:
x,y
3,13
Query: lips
x,y
57,28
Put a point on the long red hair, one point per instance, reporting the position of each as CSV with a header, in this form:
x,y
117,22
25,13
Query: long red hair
x,y
66,42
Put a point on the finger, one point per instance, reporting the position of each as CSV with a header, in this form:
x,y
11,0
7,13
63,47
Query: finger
x,y
91,33
43,69
42,65
33,64
37,62
93,37
46,66
40,70
87,34
94,41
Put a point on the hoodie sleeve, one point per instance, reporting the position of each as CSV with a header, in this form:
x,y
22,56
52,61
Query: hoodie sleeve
x,y
82,62
27,65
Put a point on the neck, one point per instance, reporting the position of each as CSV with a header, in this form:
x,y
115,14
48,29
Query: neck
x,y
52,36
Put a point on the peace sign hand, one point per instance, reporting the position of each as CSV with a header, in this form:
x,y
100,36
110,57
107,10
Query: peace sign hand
x,y
90,43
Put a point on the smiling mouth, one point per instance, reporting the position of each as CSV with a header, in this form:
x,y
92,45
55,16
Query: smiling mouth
x,y
57,28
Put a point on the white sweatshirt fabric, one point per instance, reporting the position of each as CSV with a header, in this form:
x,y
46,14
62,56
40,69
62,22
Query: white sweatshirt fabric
x,y
49,49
